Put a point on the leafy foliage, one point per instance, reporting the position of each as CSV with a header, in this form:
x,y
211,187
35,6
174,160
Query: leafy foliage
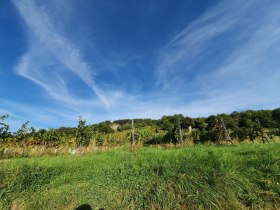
x,y
83,133
261,125
22,133
99,141
4,127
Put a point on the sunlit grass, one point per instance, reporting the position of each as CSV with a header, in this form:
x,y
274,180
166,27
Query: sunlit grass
x,y
198,177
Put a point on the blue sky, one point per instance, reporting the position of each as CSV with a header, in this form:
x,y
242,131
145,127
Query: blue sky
x,y
108,59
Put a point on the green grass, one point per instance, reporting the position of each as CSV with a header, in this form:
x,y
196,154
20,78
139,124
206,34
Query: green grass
x,y
199,177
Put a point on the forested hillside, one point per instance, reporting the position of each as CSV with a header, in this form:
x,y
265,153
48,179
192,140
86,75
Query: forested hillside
x,y
262,125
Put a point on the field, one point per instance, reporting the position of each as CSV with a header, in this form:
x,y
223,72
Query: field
x,y
197,177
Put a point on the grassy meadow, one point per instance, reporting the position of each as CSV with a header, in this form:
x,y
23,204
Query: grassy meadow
x,y
198,177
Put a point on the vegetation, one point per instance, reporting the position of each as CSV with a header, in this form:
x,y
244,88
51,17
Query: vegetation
x,y
167,175
82,134
262,126
199,177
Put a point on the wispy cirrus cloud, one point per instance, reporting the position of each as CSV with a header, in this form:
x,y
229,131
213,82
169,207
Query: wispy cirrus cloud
x,y
190,45
46,42
232,48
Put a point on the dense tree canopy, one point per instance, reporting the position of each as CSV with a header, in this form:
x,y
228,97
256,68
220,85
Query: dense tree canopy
x,y
251,125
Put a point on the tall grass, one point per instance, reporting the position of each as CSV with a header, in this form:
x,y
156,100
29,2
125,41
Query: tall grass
x,y
199,177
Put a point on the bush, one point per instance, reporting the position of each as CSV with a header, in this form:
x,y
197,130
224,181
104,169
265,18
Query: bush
x,y
99,141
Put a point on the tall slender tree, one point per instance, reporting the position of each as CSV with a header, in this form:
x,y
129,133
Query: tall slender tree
x,y
132,140
82,134
4,127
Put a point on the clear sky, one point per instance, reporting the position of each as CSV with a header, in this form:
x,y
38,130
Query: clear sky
x,y
111,59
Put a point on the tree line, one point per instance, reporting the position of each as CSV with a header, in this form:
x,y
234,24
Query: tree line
x,y
262,125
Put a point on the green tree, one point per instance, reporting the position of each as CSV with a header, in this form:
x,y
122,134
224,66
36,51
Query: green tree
x,y
23,132
200,123
211,122
165,123
186,122
4,127
82,134
264,117
50,135
175,134
276,116
195,135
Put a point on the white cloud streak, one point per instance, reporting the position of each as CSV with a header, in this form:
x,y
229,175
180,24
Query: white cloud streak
x,y
191,43
43,29
249,67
